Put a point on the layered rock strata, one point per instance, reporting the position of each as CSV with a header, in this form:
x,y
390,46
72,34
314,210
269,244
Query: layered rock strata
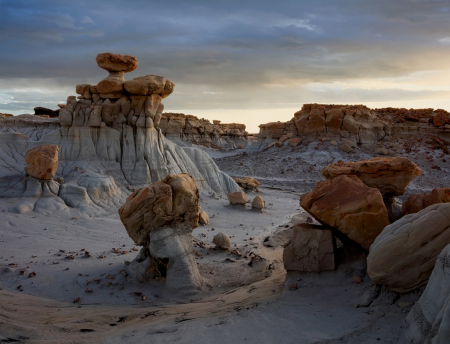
x,y
358,123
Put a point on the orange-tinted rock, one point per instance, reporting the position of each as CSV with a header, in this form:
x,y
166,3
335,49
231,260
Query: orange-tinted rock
x,y
295,141
117,62
350,206
237,198
42,161
389,175
417,202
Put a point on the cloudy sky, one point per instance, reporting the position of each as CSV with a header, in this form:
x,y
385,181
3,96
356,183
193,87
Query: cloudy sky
x,y
250,61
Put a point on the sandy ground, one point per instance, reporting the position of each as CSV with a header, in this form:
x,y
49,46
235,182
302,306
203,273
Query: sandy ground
x,y
39,308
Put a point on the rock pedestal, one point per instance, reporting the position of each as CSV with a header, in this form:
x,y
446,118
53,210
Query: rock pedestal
x,y
161,218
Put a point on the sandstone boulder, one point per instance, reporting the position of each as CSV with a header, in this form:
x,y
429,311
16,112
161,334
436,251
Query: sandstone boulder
x,y
311,249
222,241
117,62
161,218
404,254
247,183
203,218
42,161
258,203
389,175
417,202
145,85
237,198
350,206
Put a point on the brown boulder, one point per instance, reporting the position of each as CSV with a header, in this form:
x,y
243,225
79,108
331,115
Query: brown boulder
x,y
350,206
203,218
417,202
42,161
247,183
258,203
145,85
311,249
389,175
174,199
117,62
237,198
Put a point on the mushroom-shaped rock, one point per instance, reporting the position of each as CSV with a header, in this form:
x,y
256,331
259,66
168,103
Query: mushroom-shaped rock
x,y
404,254
42,161
389,175
161,217
203,218
117,62
222,240
237,198
258,203
350,206
247,183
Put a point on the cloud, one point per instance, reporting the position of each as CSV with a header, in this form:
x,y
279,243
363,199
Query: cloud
x,y
88,20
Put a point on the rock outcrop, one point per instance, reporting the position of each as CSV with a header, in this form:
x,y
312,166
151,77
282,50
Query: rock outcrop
x,y
417,202
42,161
41,111
404,254
161,218
359,123
429,320
109,143
350,206
389,175
311,249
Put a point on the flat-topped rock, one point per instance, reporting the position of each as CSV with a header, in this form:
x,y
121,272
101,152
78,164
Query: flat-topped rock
x,y
389,175
117,62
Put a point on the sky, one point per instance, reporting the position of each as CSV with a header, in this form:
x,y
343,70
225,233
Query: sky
x,y
251,61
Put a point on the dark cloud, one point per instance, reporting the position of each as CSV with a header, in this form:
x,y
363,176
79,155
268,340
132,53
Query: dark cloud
x,y
224,54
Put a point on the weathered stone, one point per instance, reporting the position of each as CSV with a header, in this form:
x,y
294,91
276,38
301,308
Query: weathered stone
x,y
350,206
222,240
417,202
145,85
428,321
117,62
389,175
247,183
295,141
311,249
42,161
346,148
258,203
203,218
404,254
237,198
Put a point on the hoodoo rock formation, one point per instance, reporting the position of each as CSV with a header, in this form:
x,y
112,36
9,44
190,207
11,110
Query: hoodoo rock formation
x,y
161,218
110,142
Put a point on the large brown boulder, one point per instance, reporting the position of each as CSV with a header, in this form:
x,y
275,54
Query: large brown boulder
x,y
145,85
389,175
161,218
42,161
311,249
350,206
404,254
174,199
117,62
417,202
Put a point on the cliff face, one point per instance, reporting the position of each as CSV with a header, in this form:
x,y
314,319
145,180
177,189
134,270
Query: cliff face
x,y
365,126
